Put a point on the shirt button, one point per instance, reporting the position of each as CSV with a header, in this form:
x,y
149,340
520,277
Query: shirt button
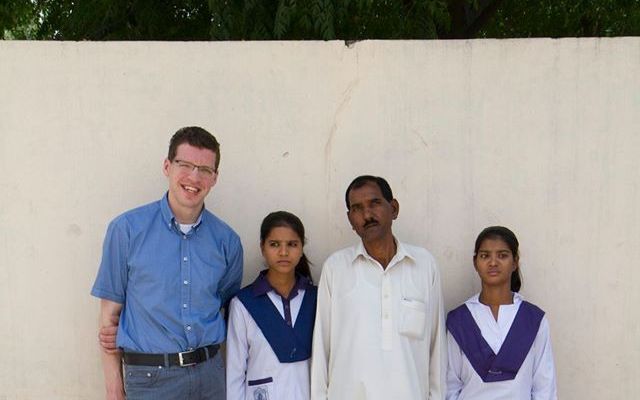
x,y
185,258
188,327
184,305
149,374
185,282
184,237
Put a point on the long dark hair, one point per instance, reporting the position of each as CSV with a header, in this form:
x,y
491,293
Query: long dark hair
x,y
286,219
504,234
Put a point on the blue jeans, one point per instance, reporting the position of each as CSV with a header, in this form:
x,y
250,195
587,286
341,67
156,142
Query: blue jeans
x,y
204,381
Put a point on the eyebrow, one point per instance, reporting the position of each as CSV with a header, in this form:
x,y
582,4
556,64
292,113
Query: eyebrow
x,y
371,200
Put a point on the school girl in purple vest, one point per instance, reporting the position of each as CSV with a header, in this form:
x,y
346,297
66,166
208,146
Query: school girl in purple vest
x,y
271,320
499,346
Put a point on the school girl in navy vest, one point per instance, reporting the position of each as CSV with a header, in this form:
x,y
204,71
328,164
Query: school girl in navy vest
x,y
499,345
271,320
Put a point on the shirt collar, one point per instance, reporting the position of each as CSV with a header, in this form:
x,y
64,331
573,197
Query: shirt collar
x,y
475,299
261,285
168,216
401,252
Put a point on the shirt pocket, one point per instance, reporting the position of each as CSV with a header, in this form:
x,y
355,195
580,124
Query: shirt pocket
x,y
413,318
261,389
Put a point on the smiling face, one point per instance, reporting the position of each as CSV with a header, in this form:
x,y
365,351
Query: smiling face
x,y
370,214
188,187
282,250
495,263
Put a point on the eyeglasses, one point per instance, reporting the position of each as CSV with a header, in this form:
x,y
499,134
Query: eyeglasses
x,y
189,167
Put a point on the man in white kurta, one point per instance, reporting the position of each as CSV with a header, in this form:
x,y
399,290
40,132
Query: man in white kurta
x,y
379,330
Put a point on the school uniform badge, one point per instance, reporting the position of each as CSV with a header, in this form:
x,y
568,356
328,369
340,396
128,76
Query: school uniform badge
x,y
260,394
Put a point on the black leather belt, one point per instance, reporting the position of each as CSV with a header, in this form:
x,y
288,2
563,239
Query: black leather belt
x,y
183,359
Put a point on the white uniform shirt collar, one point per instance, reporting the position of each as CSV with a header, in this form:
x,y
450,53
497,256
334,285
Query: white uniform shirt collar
x,y
475,299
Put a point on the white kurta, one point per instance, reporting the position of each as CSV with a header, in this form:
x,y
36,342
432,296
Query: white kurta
x,y
379,333
251,358
536,379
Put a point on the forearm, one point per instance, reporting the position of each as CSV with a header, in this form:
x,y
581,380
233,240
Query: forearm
x,y
112,369
111,359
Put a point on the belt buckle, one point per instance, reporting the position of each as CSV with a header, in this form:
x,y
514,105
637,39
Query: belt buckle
x,y
181,358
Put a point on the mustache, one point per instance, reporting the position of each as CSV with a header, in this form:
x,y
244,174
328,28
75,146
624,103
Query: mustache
x,y
370,222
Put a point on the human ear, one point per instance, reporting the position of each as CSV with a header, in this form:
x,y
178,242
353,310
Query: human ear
x,y
353,227
396,208
165,167
262,248
215,179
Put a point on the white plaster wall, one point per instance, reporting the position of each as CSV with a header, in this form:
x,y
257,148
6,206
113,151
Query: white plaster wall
x,y
538,135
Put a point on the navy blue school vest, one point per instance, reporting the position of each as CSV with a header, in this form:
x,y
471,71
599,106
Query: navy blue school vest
x,y
290,344
505,365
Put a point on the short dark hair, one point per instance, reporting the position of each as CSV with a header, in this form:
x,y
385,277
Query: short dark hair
x,y
197,137
286,219
362,180
507,236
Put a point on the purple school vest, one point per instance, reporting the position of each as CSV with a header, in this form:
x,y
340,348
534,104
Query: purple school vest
x,y
503,366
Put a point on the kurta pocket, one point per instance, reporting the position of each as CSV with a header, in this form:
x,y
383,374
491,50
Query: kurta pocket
x,y
260,389
413,318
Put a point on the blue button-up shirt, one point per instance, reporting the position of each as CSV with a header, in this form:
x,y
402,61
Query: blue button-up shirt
x,y
171,284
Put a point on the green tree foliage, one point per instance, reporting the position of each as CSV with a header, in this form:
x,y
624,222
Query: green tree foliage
x,y
562,18
18,19
328,19
314,19
124,19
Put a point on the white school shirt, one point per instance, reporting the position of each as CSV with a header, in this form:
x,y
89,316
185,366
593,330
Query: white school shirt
x,y
379,333
536,379
251,358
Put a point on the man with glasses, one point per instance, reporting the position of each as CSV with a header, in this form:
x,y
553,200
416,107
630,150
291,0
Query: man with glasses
x,y
167,268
